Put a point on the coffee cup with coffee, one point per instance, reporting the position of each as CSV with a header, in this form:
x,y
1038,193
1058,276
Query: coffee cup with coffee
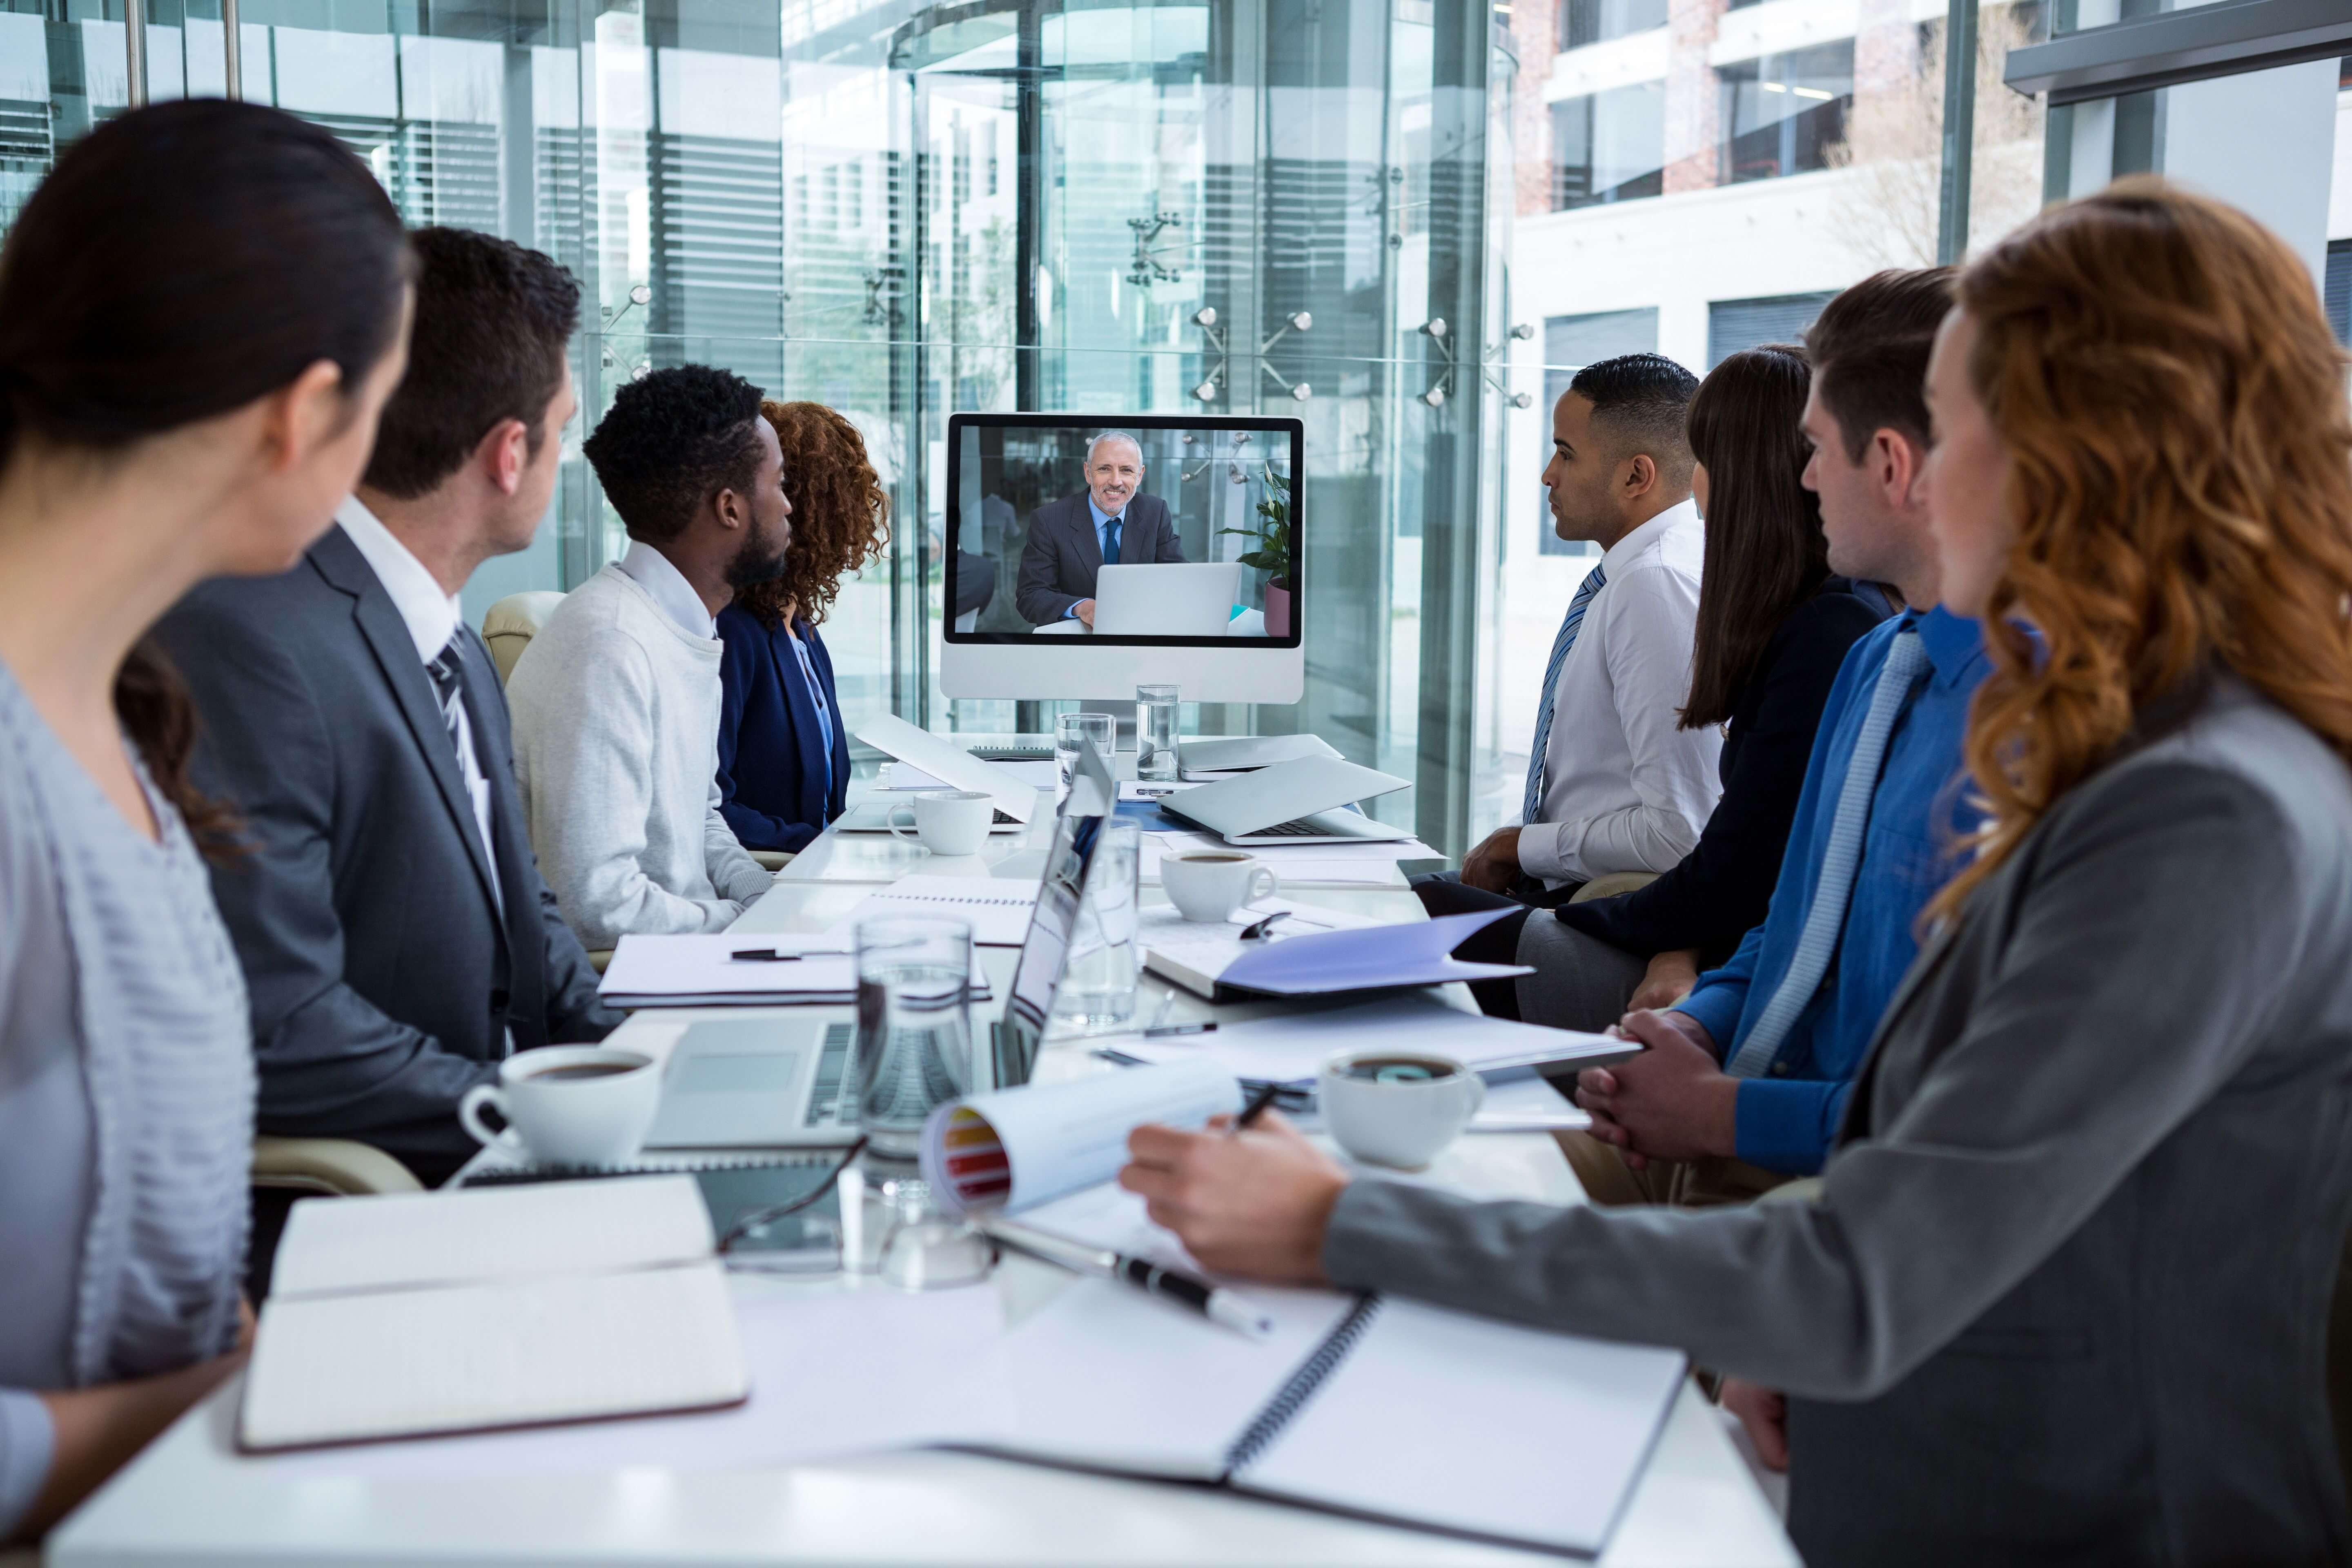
x,y
948,821
568,1105
1395,1107
1209,885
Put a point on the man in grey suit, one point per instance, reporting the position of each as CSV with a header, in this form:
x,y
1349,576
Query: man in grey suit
x,y
396,935
1070,539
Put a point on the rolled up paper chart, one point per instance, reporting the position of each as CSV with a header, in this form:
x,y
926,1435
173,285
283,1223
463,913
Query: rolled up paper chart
x,y
1005,1151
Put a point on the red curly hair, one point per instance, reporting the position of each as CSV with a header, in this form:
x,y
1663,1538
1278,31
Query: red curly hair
x,y
2173,404
841,513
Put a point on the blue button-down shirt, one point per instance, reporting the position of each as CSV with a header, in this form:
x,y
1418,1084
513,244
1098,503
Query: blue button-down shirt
x,y
1786,1118
1102,541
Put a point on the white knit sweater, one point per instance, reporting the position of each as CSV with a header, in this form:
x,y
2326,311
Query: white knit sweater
x,y
616,751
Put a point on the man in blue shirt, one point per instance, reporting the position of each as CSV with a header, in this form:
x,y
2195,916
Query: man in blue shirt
x,y
1070,539
1746,1077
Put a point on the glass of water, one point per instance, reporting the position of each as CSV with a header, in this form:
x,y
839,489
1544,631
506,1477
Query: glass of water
x,y
1071,732
1099,985
914,1026
1155,731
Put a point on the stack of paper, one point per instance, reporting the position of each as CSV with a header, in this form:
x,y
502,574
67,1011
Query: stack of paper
x,y
1292,1048
999,908
723,971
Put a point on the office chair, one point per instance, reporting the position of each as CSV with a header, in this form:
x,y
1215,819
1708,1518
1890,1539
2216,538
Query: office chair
x,y
328,1167
1610,885
510,624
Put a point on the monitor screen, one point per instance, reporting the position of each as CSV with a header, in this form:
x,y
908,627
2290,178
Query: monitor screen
x,y
1141,530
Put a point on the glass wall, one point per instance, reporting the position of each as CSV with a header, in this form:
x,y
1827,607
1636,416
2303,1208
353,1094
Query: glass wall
x,y
907,210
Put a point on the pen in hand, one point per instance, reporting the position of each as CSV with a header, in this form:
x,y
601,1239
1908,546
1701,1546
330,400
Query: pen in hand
x,y
1259,1103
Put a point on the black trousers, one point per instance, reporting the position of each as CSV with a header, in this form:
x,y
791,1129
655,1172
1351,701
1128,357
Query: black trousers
x,y
1444,894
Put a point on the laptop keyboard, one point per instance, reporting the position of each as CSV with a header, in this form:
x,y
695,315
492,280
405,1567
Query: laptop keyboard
x,y
1006,819
828,1104
1299,828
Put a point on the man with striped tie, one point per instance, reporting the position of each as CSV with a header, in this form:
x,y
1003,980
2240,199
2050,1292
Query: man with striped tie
x,y
1746,1078
395,934
1614,783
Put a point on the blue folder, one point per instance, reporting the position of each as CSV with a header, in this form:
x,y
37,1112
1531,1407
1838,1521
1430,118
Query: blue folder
x,y
1375,958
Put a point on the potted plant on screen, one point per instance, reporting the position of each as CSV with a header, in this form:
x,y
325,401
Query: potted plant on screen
x,y
1273,555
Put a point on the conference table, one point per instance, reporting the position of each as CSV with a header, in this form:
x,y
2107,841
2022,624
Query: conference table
x,y
191,1499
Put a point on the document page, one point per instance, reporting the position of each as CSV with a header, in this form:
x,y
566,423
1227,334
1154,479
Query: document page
x,y
684,971
404,1240
998,907
1291,1049
335,1369
1017,1147
1469,1425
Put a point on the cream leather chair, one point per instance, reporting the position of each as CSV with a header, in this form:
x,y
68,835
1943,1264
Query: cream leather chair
x,y
1610,885
330,1167
512,622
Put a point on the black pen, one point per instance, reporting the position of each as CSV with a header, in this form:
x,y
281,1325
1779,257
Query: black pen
x,y
769,955
1162,1031
1258,1105
1211,1301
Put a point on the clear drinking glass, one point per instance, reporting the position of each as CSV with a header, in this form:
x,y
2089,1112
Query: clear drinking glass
x,y
914,1026
1099,985
1072,730
1155,731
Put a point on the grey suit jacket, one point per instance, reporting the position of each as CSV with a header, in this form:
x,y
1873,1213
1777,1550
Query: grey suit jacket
x,y
2063,1296
384,979
1059,563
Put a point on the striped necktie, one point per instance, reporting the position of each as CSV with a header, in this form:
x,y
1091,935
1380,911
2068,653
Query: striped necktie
x,y
1907,664
1593,583
444,670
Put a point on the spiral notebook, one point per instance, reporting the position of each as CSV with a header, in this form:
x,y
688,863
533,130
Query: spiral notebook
x,y
1372,1407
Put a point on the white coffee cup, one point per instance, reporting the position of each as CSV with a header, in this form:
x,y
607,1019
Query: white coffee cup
x,y
1405,1116
949,821
1209,885
568,1105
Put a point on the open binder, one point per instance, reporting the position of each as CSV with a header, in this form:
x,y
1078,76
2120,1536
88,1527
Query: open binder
x,y
1372,1407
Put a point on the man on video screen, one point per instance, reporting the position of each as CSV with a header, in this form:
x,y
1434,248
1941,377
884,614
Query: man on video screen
x,y
1071,539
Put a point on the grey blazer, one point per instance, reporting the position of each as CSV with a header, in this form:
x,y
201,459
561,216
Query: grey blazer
x,y
2063,1296
384,979
1059,563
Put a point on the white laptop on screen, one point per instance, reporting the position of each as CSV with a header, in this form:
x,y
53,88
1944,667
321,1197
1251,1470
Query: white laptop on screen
x,y
1300,802
942,758
1174,600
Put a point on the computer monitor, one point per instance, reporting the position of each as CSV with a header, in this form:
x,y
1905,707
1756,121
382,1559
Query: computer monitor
x,y
1207,588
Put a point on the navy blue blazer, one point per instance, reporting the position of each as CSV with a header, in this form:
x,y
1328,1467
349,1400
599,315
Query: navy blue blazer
x,y
772,774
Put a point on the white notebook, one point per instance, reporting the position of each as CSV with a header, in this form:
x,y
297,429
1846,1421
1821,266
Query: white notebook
x,y
1372,1407
461,1311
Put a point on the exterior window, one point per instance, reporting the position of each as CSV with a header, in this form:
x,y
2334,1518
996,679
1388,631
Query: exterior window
x,y
1583,22
1609,146
1735,324
1571,342
1782,113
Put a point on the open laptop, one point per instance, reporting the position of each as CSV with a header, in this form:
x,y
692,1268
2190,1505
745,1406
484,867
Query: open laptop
x,y
1305,801
784,1083
1172,600
953,767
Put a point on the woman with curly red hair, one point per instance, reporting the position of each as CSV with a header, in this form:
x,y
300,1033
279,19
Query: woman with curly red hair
x,y
783,754
2062,1293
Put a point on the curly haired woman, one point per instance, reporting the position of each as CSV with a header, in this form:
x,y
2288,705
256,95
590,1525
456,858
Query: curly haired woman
x,y
2063,1294
783,757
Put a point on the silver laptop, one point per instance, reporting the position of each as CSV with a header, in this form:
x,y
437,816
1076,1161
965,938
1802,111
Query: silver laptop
x,y
1172,600
783,1083
1305,801
1016,801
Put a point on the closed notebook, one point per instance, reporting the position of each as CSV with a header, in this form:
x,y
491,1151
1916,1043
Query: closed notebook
x,y
766,969
460,1311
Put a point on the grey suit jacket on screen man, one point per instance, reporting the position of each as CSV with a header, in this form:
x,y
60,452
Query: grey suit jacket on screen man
x,y
384,978
1064,553
2063,1296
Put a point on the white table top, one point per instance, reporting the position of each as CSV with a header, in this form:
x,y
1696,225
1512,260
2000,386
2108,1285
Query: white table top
x,y
191,1499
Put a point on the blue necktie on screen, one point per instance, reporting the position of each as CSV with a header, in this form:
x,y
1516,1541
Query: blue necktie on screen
x,y
1111,539
1906,664
1593,583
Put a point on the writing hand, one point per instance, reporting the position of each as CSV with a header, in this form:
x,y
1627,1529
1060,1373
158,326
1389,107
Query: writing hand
x,y
1495,863
1674,1102
1254,1203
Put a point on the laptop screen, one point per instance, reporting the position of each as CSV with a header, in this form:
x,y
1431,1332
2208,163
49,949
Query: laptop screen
x,y
1038,974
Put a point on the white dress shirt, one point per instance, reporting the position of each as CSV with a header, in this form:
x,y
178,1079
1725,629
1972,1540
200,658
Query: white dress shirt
x,y
432,618
1625,787
651,570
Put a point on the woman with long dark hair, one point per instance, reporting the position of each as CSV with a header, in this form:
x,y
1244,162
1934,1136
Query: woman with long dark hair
x,y
2063,1295
784,753
202,311
1774,626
